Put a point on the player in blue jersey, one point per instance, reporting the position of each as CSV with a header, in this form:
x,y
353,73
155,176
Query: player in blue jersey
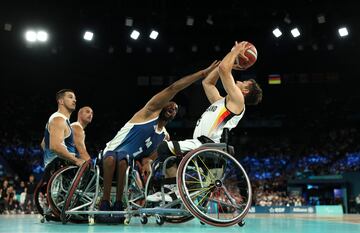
x,y
139,137
58,141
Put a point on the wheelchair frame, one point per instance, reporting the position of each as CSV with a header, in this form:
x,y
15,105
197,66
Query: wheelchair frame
x,y
80,204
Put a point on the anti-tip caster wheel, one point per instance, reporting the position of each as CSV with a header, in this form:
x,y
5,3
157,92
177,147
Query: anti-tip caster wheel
x,y
143,219
159,219
241,223
91,221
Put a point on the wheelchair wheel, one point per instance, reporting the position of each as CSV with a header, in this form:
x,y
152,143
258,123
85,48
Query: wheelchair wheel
x,y
41,203
214,187
80,195
40,197
57,188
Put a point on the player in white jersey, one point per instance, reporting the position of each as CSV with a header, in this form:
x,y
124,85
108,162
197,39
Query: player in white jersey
x,y
84,117
140,137
224,112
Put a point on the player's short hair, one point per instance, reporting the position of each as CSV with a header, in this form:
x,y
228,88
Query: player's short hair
x,y
60,94
255,93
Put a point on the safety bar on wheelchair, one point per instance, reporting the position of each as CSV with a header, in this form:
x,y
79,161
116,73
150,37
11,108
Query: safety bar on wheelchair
x,y
148,211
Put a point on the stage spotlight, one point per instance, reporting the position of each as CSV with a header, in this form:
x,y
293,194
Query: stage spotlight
x,y
42,36
277,33
88,36
343,31
154,34
30,36
135,34
295,32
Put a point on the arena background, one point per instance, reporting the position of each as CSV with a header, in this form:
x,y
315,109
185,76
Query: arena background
x,y
300,146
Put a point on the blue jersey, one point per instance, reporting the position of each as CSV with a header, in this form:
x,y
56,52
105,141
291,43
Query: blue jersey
x,y
136,139
68,142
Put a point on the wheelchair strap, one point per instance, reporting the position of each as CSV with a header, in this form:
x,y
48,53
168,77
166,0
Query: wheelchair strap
x,y
203,139
177,148
170,193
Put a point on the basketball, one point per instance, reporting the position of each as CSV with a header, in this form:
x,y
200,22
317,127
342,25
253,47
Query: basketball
x,y
251,54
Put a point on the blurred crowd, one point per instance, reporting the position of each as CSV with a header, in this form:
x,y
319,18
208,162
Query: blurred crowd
x,y
309,141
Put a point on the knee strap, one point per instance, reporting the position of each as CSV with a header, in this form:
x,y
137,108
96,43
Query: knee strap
x,y
163,151
177,149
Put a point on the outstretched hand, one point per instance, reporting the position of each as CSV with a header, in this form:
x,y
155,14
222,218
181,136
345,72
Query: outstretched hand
x,y
240,49
210,68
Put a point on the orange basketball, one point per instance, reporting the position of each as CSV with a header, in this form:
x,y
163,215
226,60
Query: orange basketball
x,y
251,54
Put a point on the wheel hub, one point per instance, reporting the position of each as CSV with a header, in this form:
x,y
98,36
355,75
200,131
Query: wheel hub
x,y
218,183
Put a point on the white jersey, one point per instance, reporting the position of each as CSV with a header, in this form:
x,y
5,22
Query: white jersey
x,y
68,141
77,123
215,119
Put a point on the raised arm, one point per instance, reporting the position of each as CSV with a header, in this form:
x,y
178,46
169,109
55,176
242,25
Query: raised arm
x,y
79,141
236,98
209,85
157,102
57,128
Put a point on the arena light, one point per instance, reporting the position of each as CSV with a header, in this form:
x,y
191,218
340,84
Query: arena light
x,y
315,47
128,49
287,19
277,33
194,48
154,34
321,19
148,50
209,20
88,35
295,32
190,21
135,34
30,36
343,31
129,22
42,36
7,27
330,47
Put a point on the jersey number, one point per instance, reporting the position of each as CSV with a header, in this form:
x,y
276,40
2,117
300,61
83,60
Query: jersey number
x,y
148,143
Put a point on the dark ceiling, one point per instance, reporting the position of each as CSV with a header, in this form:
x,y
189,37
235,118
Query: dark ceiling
x,y
232,20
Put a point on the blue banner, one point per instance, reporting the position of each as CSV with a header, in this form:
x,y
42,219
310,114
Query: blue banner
x,y
282,209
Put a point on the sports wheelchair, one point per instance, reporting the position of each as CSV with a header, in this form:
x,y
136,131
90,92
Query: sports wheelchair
x,y
212,185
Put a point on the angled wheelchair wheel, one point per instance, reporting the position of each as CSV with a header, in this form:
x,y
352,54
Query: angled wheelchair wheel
x,y
40,197
81,194
57,188
41,202
214,187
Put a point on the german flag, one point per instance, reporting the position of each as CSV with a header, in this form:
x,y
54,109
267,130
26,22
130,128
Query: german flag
x,y
274,79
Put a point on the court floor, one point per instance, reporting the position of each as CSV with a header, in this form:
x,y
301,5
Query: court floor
x,y
254,224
